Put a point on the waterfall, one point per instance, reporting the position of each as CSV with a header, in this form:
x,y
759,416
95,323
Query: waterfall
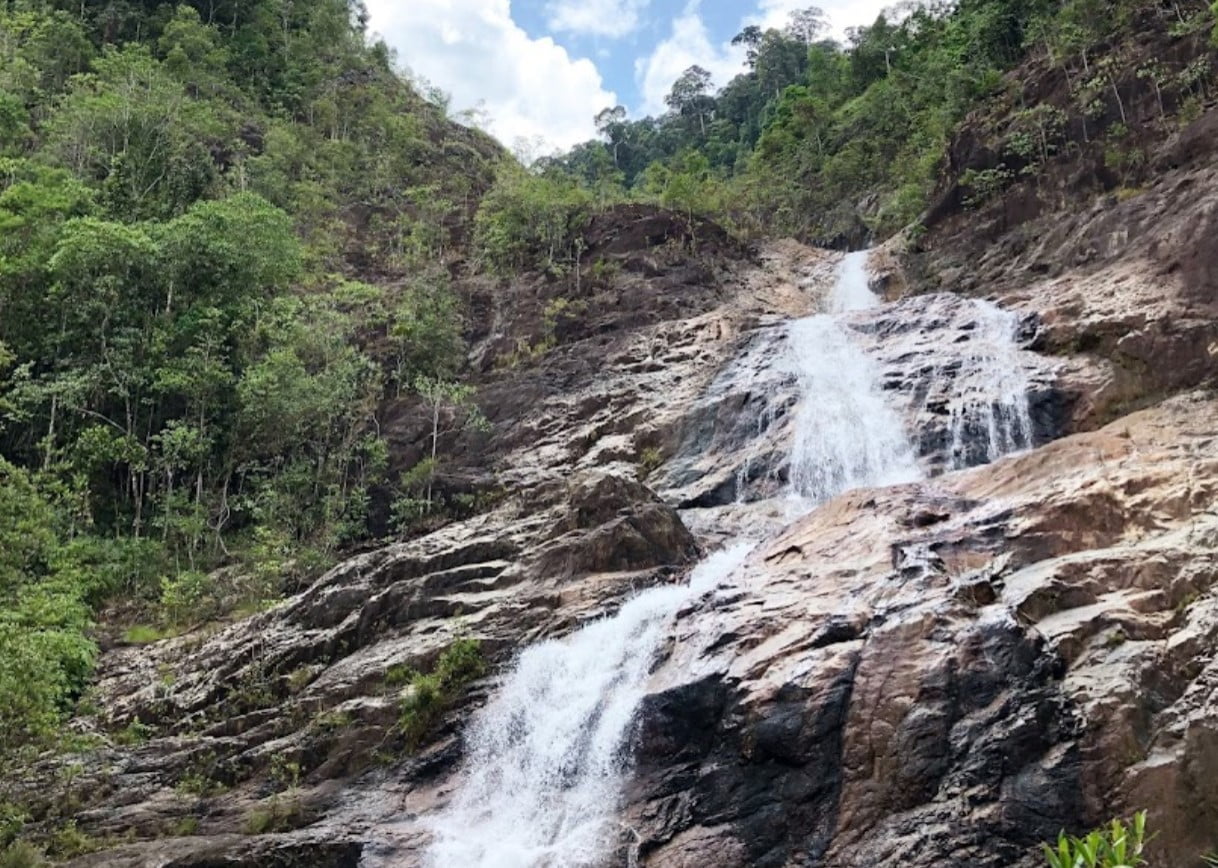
x,y
846,434
852,289
990,412
548,755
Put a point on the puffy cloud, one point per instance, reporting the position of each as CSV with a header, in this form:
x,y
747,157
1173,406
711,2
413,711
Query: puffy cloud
x,y
529,88
841,13
688,44
611,18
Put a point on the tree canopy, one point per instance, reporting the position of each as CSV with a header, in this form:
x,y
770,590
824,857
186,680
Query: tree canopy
x,y
191,367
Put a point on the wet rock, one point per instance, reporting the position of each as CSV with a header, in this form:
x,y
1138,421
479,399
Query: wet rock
x,y
303,699
230,852
867,714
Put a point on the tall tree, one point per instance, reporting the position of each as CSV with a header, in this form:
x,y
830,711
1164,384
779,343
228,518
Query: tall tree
x,y
808,25
750,38
611,123
690,96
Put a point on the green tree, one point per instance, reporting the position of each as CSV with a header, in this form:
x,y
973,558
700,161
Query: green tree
x,y
690,96
529,219
450,409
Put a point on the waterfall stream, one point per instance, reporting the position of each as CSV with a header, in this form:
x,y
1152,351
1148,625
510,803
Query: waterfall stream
x,y
548,755
990,413
846,434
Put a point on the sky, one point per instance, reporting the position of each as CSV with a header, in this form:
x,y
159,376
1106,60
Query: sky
x,y
538,71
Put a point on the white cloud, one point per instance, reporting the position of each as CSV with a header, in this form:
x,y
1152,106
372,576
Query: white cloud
x,y
687,45
690,43
611,18
776,13
529,88
841,13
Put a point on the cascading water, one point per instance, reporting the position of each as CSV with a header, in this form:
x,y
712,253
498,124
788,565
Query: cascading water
x,y
852,289
991,416
548,755
846,434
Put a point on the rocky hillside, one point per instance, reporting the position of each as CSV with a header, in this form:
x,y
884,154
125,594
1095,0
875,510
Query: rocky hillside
x,y
1100,231
916,674
940,671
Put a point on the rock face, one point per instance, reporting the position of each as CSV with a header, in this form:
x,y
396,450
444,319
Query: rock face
x,y
945,671
1120,270
933,352
1029,648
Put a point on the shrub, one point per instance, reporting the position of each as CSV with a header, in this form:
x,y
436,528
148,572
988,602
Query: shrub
x,y
146,634
45,654
276,814
984,184
1118,846
20,854
12,821
185,827
530,220
69,841
650,460
429,696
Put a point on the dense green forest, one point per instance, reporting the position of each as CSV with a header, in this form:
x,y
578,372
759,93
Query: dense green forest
x,y
189,369
230,232
837,142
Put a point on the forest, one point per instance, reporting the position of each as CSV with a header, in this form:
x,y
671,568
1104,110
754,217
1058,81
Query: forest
x,y
233,233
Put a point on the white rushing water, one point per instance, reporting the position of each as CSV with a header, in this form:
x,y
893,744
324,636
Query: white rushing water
x,y
846,434
991,416
852,289
548,755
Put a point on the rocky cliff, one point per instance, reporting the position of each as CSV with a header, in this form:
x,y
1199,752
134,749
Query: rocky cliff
x,y
945,670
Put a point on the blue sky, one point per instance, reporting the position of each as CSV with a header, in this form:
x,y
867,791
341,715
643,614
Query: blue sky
x,y
616,42
537,71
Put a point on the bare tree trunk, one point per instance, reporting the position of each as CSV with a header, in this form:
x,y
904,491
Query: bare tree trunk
x,y
46,457
435,442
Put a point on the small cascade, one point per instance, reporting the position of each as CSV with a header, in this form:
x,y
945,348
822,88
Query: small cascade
x,y
852,289
846,434
990,413
547,755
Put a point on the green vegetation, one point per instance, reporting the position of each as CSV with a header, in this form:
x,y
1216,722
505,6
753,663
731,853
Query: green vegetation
x,y
134,733
279,813
203,778
20,854
146,634
1119,846
834,140
185,827
190,368
529,219
650,460
68,841
428,696
45,586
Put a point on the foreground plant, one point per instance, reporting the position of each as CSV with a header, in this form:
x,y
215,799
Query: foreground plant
x,y
1118,846
429,696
